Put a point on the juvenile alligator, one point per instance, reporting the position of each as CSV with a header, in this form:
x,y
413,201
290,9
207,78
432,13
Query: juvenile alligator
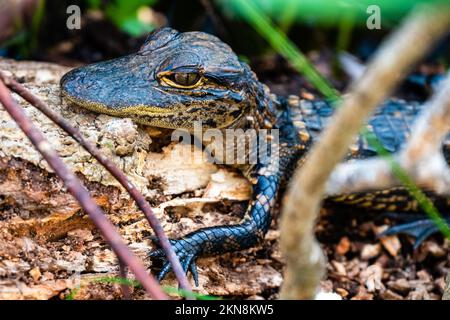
x,y
177,78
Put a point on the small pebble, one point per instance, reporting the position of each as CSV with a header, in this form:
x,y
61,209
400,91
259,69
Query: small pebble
x,y
343,247
370,251
35,273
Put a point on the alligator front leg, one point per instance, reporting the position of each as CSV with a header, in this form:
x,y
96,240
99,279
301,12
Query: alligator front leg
x,y
221,239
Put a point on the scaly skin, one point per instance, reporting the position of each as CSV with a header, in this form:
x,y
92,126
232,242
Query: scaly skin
x,y
178,78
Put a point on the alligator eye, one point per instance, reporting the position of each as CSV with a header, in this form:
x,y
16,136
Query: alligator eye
x,y
185,80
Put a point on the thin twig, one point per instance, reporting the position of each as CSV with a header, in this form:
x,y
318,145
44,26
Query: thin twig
x,y
126,293
75,187
112,168
305,261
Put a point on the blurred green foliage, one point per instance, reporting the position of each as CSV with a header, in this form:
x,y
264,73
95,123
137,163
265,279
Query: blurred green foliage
x,y
324,12
25,40
125,14
280,42
129,16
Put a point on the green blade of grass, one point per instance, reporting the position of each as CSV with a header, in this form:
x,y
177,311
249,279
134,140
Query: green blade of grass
x,y
166,289
118,280
35,25
287,49
346,26
184,293
72,294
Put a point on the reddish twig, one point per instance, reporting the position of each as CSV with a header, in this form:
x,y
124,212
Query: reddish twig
x,y
76,188
126,293
112,168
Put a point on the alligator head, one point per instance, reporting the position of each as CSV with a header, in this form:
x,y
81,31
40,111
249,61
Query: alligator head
x,y
173,80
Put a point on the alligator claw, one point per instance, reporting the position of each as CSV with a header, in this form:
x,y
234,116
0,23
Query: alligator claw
x,y
193,269
420,229
185,252
158,253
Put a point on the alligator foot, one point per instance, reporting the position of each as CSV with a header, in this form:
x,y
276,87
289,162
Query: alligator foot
x,y
420,229
186,253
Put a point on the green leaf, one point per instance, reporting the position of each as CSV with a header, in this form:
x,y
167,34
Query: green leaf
x,y
136,28
94,4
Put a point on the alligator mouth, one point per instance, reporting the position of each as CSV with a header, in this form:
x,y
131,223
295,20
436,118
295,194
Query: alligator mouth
x,y
131,111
